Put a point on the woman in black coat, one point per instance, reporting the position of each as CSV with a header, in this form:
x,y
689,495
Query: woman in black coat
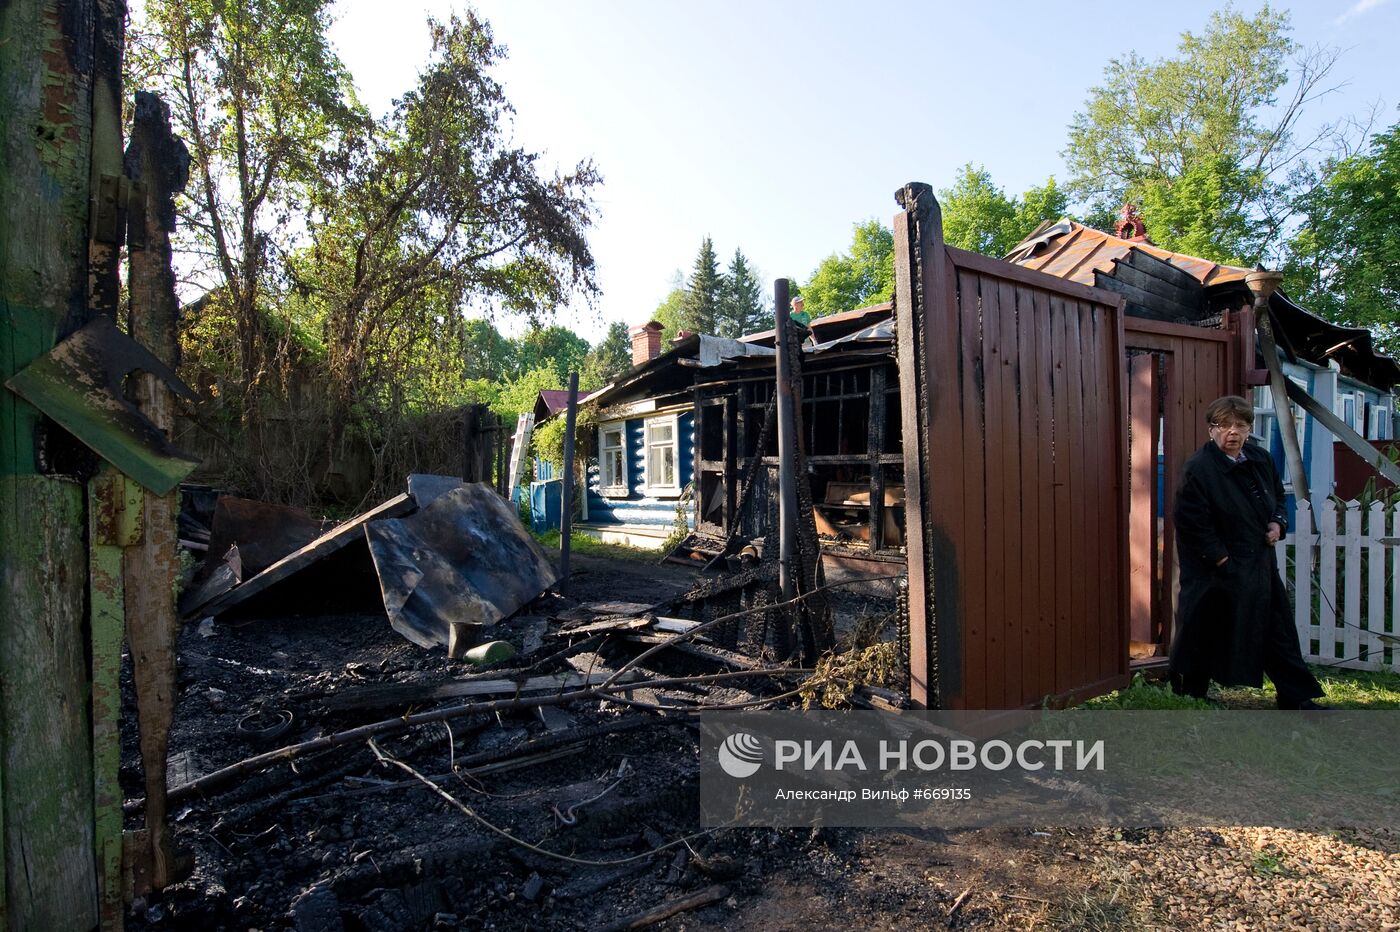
x,y
1234,622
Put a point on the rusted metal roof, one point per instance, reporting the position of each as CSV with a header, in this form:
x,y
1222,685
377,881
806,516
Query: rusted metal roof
x,y
1075,252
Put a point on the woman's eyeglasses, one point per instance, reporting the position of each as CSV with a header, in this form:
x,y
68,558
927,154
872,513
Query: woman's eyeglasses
x,y
1236,428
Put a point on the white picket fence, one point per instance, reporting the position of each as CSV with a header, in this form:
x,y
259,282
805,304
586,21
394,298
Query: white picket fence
x,y
1342,567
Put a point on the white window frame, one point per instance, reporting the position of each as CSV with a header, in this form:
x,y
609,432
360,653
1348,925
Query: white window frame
x,y
673,488
612,486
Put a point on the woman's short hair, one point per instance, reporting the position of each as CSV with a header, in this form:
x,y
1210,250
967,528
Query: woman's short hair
x,y
1229,408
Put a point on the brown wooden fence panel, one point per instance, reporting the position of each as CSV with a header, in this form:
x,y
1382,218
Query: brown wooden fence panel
x,y
1024,524
1178,370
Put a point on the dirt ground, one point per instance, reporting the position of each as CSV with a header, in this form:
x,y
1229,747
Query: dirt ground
x,y
341,841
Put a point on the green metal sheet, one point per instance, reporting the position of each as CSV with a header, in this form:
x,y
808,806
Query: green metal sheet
x,y
79,384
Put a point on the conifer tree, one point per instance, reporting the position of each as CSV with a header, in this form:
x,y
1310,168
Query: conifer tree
x,y
742,310
700,311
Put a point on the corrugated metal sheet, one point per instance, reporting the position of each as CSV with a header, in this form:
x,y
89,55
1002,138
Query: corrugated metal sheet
x,y
1075,252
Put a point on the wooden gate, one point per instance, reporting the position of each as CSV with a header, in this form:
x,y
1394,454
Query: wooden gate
x,y
1173,372
1015,464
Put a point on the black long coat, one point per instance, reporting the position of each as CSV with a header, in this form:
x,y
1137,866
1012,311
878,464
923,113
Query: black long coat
x,y
1225,614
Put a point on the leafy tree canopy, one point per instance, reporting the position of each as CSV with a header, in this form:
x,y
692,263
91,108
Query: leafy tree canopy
x,y
554,347
978,216
1344,262
860,277
485,353
1204,141
609,359
519,394
670,314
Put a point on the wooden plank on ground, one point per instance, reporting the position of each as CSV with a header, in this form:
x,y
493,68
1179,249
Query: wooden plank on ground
x,y
604,624
591,610
376,697
703,651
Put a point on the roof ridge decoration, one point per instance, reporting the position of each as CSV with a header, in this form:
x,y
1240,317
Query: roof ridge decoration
x,y
1130,225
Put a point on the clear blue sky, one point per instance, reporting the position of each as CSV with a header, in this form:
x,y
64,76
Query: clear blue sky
x,y
775,126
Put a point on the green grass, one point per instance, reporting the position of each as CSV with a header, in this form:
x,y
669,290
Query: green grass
x,y
592,547
1345,689
1143,695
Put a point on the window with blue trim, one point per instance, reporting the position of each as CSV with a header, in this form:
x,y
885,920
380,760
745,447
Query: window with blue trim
x,y
661,437
612,460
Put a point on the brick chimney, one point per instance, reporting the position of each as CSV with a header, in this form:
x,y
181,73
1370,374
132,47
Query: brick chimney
x,y
646,342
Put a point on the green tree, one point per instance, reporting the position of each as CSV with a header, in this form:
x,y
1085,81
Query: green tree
x,y
485,353
978,216
431,211
670,314
1204,140
858,278
1344,261
609,359
700,311
519,394
554,347
258,93
742,308
976,213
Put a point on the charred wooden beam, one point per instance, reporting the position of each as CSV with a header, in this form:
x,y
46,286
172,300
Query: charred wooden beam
x,y
787,447
160,162
566,510
918,244
875,444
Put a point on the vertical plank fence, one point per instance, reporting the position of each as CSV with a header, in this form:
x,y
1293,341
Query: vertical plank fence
x,y
1342,567
1015,468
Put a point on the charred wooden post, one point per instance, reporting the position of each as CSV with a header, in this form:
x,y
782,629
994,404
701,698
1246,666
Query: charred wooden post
x,y
875,446
799,550
566,499
787,445
919,274
159,162
113,501
54,59
1262,285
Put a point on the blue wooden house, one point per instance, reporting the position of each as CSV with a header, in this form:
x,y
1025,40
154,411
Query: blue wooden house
x,y
674,433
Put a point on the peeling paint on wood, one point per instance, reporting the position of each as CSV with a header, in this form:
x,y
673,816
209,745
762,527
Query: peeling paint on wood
x,y
50,879
152,568
46,814
111,528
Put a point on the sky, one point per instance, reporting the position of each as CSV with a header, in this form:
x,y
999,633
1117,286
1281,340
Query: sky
x,y
774,126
